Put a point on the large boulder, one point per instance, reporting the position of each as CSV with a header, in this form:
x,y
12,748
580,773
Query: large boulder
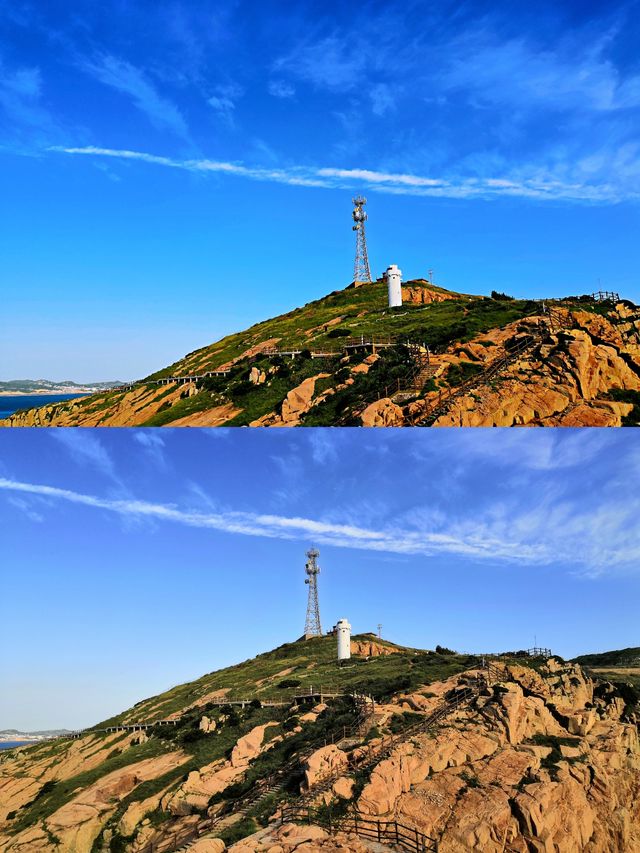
x,y
382,413
249,746
323,763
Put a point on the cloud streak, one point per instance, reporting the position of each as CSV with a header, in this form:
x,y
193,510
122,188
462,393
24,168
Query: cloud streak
x,y
542,187
130,81
557,531
476,541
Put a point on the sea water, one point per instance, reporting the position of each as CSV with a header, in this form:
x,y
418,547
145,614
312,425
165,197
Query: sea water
x,y
11,403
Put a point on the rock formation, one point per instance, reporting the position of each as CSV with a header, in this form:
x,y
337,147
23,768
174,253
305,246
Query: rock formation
x,y
319,365
537,758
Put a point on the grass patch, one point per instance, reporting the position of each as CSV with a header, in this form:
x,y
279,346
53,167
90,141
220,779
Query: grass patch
x,y
459,373
633,397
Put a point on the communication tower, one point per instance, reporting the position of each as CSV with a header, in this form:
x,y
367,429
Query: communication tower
x,y
361,271
312,627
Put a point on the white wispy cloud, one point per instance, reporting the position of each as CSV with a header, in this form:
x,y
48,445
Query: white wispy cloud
x,y
514,71
330,63
281,89
478,542
153,445
223,100
131,81
589,541
85,448
541,187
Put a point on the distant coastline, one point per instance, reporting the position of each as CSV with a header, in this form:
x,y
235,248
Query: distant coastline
x,y
11,403
80,392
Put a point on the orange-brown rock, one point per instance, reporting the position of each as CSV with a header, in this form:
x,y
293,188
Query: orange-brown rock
x,y
302,839
371,648
383,412
424,295
249,746
322,763
297,402
78,822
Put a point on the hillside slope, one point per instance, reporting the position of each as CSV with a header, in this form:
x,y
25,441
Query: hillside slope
x,y
524,755
443,358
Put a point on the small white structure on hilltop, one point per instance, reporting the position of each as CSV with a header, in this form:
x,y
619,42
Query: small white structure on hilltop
x,y
393,277
343,629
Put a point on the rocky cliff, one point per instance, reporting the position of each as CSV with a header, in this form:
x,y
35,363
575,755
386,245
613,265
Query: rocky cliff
x,y
443,359
529,756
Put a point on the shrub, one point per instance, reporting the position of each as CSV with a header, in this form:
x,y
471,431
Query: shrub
x,y
288,682
238,831
501,297
459,373
339,333
443,650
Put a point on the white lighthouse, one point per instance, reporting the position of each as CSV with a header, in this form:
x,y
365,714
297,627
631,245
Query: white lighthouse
x,y
393,276
343,630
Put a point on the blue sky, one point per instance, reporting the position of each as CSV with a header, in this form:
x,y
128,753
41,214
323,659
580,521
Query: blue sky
x,y
133,559
174,171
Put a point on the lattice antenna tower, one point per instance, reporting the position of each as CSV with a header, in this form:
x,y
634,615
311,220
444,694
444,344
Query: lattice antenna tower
x,y
361,271
312,627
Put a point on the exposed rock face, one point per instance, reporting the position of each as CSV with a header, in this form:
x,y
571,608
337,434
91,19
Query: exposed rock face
x,y
499,776
78,823
371,649
425,295
207,725
561,383
249,746
302,839
208,845
22,776
213,778
322,763
297,402
382,413
538,761
564,380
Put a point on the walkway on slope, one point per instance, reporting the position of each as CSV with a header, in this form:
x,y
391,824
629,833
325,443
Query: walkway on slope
x,y
508,356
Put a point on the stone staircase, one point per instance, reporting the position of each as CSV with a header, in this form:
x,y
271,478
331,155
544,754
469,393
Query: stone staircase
x,y
361,759
276,782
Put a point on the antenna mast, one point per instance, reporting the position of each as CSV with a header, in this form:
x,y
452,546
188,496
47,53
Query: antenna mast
x,y
361,271
312,627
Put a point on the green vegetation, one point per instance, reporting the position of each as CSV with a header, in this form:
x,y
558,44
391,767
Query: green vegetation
x,y
324,326
550,762
310,662
621,396
618,657
362,311
239,830
339,714
459,373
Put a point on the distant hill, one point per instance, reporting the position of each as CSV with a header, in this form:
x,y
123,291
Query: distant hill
x,y
16,734
443,358
617,658
35,386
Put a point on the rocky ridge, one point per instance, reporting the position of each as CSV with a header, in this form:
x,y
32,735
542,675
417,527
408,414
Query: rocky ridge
x,y
542,758
584,369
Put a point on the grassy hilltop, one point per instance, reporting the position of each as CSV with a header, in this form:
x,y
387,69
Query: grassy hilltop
x,y
326,385
539,732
